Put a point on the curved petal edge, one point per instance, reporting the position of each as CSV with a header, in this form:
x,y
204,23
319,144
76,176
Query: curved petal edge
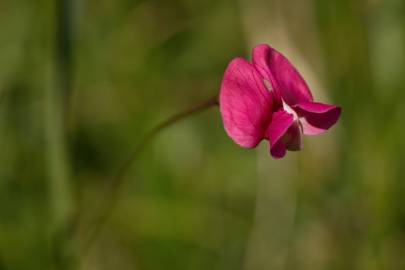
x,y
316,118
245,104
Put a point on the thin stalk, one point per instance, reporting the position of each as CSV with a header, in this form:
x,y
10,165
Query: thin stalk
x,y
55,132
117,181
64,50
56,96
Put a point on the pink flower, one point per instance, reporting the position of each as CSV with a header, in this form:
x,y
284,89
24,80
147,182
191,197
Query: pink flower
x,y
268,99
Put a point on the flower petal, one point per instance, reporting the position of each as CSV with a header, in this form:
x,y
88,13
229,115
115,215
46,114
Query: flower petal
x,y
245,103
281,121
261,55
285,79
278,150
316,117
294,137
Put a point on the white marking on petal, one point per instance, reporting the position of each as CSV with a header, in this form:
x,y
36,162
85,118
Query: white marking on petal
x,y
268,85
288,109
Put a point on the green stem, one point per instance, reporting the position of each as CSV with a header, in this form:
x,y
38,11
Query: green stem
x,y
117,181
56,96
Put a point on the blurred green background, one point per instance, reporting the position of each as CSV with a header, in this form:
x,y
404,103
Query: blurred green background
x,y
82,81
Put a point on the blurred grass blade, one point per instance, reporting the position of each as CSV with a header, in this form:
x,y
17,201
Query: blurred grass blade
x,y
56,95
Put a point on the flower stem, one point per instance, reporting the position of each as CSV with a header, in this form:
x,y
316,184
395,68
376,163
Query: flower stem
x,y
118,179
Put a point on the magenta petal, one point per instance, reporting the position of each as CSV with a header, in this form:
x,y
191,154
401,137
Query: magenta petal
x,y
245,103
316,118
294,137
261,55
285,79
278,150
281,121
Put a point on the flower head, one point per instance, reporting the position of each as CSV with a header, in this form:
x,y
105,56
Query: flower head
x,y
269,100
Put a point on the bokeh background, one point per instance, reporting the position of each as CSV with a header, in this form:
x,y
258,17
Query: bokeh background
x,y
82,81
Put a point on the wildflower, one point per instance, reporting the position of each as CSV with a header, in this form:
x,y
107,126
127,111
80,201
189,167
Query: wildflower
x,y
269,100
